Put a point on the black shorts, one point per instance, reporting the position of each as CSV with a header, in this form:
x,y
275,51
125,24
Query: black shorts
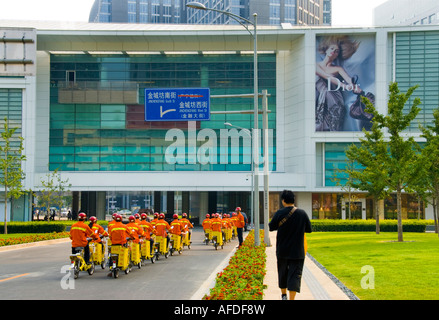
x,y
290,273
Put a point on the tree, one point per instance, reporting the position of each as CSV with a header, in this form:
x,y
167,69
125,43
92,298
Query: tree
x,y
430,157
53,190
370,174
11,149
401,150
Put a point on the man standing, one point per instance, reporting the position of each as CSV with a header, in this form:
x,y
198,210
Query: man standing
x,y
291,224
240,224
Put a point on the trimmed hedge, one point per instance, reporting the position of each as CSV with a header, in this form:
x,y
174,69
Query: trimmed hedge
x,y
33,227
40,226
369,225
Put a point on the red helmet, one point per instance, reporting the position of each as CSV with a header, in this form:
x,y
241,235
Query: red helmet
x,y
184,215
82,216
175,216
238,209
156,214
143,216
207,215
114,215
234,214
118,217
161,216
137,216
132,219
93,219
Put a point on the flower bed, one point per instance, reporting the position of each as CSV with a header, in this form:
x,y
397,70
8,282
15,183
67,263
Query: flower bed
x,y
243,278
32,238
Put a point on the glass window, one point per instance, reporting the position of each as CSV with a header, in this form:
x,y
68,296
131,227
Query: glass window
x,y
118,134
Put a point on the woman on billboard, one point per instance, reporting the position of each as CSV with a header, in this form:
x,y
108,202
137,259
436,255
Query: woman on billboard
x,y
332,80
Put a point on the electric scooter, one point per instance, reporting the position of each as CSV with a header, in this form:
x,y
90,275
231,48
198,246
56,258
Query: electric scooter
x,y
78,263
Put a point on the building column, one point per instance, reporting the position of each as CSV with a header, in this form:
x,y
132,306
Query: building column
x,y
170,204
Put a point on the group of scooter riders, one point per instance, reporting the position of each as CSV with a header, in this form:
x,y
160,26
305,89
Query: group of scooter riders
x,y
138,229
221,228
217,228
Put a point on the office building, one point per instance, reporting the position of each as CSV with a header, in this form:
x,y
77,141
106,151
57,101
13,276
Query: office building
x,y
406,12
270,12
79,93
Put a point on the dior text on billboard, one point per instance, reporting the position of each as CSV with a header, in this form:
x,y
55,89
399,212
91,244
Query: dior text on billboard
x,y
345,71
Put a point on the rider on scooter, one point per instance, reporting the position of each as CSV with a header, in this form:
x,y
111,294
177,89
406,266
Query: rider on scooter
x,y
186,225
176,227
161,226
147,228
97,230
135,228
119,232
155,220
79,233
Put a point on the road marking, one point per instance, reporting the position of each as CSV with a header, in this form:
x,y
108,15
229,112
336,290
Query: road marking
x,y
20,275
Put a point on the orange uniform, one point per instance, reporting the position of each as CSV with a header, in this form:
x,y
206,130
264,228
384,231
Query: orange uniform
x,y
239,222
161,226
147,228
207,224
176,227
119,232
136,230
216,224
110,224
186,224
154,221
79,233
97,230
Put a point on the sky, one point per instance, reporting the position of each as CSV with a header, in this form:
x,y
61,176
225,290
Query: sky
x,y
344,12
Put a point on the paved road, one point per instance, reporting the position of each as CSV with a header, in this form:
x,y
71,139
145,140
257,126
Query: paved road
x,y
36,273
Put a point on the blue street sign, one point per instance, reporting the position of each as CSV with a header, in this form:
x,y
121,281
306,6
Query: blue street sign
x,y
177,104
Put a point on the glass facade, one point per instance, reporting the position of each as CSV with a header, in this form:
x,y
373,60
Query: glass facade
x,y
335,160
417,63
97,111
335,206
11,101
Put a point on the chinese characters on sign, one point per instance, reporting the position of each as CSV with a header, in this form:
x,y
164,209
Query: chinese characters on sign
x,y
177,104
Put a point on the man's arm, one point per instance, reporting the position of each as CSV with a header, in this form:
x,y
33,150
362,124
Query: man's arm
x,y
308,226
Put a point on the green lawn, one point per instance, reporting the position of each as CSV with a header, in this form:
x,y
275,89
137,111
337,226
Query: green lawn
x,y
402,271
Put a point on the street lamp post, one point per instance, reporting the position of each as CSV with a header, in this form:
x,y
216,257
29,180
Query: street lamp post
x,y
245,22
248,132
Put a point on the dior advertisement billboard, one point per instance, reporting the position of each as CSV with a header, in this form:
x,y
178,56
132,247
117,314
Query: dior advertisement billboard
x,y
345,70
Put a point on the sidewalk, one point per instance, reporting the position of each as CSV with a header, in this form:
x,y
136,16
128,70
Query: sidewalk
x,y
316,284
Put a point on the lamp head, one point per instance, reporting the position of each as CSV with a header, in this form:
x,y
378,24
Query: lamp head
x,y
196,5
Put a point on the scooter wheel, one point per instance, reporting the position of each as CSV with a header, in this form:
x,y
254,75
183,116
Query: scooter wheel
x,y
92,269
115,273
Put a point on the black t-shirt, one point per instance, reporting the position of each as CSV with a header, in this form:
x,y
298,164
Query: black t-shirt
x,y
290,235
